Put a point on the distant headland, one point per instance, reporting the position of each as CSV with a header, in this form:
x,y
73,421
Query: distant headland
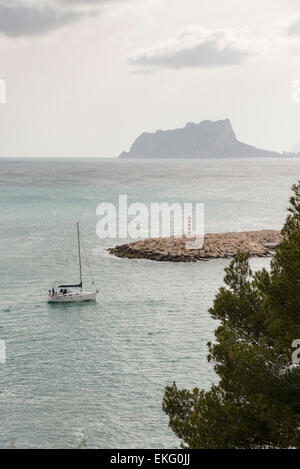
x,y
208,139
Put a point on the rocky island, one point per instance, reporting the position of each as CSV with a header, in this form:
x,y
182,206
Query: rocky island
x,y
221,245
207,139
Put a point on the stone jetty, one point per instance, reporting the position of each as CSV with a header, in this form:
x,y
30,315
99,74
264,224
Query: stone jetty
x,y
221,245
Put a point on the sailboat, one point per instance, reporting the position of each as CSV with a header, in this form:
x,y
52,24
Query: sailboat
x,y
62,294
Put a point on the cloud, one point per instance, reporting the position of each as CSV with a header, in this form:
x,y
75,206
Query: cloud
x,y
196,46
86,2
28,18
294,28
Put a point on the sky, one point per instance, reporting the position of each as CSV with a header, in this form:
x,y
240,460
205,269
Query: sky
x,y
84,78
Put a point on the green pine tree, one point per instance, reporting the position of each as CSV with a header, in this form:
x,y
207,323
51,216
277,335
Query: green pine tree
x,y
256,403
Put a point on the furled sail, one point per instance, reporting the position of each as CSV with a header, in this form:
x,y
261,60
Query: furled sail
x,y
71,286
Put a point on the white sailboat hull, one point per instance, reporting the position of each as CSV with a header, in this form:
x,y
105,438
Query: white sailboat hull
x,y
72,297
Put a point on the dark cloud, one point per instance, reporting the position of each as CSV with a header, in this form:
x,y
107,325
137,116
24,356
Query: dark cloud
x,y
23,18
194,48
87,2
28,19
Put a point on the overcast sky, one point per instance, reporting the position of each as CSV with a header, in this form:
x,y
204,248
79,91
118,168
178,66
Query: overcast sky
x,y
86,77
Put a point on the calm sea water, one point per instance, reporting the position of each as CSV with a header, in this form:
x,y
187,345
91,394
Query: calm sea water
x,y
98,370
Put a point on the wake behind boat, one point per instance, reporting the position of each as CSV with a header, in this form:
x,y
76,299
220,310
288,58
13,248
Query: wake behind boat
x,y
63,295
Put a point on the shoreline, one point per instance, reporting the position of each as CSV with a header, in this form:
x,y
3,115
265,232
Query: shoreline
x,y
216,246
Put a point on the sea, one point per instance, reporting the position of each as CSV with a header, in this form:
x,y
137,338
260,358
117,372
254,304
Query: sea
x,y
94,373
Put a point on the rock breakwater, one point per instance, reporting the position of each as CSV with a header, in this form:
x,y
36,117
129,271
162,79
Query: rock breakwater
x,y
220,245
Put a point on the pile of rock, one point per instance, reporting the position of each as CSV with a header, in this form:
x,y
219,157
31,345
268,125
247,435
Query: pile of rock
x,y
222,245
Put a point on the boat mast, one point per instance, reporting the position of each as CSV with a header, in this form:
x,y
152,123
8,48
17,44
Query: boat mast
x,y
79,255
